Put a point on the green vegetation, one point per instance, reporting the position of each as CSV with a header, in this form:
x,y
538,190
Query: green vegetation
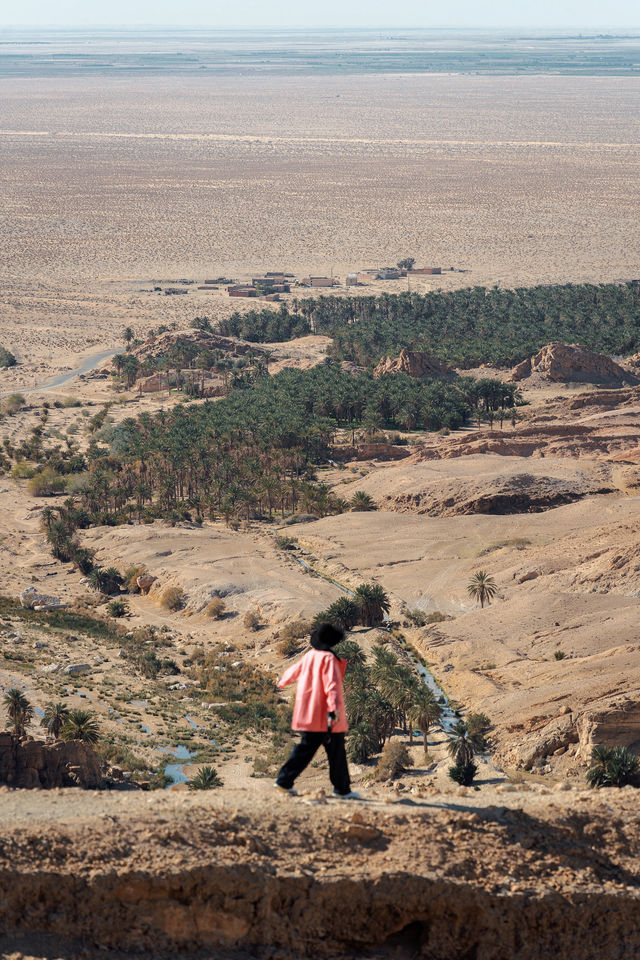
x,y
117,608
54,719
205,779
7,359
482,587
461,748
381,697
613,767
464,327
368,607
19,710
106,581
80,725
478,726
361,502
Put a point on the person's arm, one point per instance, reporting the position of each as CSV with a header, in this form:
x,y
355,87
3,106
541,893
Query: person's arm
x,y
290,675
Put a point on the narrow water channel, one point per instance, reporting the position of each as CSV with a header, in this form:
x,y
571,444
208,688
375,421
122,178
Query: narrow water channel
x,y
448,716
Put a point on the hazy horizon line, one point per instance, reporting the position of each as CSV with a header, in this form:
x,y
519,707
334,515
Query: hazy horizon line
x,y
317,27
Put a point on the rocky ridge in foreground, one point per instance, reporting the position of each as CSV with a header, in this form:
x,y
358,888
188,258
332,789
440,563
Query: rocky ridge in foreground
x,y
241,879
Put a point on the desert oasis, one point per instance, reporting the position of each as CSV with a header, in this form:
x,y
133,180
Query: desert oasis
x,y
298,331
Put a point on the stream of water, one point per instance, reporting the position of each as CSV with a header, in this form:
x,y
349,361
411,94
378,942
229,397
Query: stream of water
x,y
448,716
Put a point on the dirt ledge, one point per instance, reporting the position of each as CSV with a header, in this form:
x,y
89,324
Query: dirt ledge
x,y
292,881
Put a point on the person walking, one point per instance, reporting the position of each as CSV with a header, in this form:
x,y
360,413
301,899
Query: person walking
x,y
319,713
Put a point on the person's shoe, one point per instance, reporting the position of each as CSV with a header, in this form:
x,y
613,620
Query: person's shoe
x,y
290,790
352,795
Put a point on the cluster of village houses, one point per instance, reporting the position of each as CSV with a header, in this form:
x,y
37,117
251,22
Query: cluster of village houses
x,y
272,284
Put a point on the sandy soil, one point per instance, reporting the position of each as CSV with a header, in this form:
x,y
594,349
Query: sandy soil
x,y
142,182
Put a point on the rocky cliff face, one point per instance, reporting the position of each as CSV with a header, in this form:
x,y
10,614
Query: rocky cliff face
x,y
29,763
414,364
561,362
437,885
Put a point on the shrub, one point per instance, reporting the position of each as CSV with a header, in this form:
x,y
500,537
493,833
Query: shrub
x,y
437,617
559,655
174,598
417,617
205,779
149,664
71,402
296,630
613,767
286,543
130,578
288,646
13,403
23,470
394,761
463,773
117,608
251,620
7,359
216,609
46,483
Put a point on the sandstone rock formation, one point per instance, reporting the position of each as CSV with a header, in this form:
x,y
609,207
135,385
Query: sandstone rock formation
x,y
561,362
414,363
145,582
35,763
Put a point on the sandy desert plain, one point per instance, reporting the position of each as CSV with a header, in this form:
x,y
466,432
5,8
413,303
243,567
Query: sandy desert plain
x,y
111,188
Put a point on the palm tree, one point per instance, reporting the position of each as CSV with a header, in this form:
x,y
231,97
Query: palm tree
x,y
362,742
205,779
460,747
80,725
128,335
361,502
106,581
19,709
482,587
343,612
55,717
424,711
374,603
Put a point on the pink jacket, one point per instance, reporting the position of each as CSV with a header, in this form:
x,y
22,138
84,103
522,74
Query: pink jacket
x,y
319,675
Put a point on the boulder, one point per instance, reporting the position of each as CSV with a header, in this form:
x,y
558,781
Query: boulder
x,y
145,582
75,668
414,363
562,362
31,599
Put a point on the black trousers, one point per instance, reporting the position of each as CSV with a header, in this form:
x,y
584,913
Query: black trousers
x,y
304,752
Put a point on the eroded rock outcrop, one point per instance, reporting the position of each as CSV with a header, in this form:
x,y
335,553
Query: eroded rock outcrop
x,y
29,763
414,363
561,362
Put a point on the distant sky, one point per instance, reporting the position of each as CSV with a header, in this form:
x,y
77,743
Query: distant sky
x,y
594,14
